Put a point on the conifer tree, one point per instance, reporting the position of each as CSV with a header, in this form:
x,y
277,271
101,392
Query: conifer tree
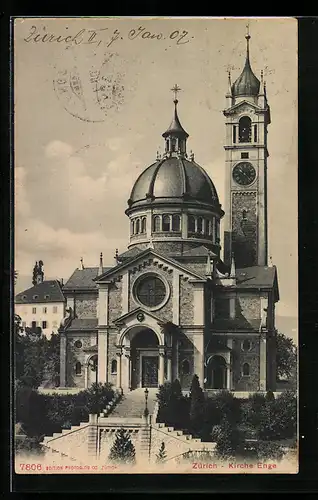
x,y
123,450
162,455
196,405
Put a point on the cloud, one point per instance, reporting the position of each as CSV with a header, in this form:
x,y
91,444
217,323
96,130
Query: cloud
x,y
58,149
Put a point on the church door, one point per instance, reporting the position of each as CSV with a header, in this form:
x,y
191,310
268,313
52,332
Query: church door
x,y
150,371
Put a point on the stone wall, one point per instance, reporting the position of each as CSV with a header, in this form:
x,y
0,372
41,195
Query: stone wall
x,y
186,303
74,444
73,355
115,301
86,306
242,382
244,230
248,306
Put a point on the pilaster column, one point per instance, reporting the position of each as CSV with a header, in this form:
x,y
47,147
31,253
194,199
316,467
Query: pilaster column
x,y
102,357
228,376
63,360
262,362
119,368
169,369
161,374
175,354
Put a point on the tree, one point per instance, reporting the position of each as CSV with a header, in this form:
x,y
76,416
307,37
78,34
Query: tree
x,y
52,361
123,450
197,402
173,406
286,356
162,455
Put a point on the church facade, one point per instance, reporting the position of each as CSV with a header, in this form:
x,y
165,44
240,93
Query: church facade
x,y
171,307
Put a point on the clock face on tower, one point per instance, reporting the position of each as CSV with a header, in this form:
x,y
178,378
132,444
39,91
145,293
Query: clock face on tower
x,y
244,173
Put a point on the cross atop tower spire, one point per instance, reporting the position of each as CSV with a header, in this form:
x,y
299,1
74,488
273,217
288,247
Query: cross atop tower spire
x,y
175,89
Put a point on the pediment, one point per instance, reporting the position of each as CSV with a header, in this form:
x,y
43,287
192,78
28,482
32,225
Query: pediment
x,y
243,107
138,315
148,258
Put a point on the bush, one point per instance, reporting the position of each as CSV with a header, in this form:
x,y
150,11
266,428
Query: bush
x,y
269,451
45,414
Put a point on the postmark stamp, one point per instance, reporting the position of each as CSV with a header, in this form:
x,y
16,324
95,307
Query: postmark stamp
x,y
91,92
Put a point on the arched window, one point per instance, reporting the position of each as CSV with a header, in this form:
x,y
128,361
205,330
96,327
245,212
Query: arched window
x,y
143,225
132,227
166,223
78,368
210,227
246,369
176,223
191,224
137,226
244,214
246,345
173,143
185,367
114,367
156,223
245,129
255,133
200,224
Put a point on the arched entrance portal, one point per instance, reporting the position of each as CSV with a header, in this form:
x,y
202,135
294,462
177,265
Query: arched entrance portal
x,y
144,349
217,373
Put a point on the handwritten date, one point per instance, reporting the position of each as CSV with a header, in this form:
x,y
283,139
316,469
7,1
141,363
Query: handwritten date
x,y
103,36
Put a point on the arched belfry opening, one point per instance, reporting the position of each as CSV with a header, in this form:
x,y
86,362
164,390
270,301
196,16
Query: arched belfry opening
x,y
245,129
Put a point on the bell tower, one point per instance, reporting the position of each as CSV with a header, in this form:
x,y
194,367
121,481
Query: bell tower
x,y
247,116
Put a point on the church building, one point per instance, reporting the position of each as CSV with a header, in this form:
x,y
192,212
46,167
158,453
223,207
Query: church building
x,y
171,306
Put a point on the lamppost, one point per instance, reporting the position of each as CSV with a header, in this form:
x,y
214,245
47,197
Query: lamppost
x,y
146,411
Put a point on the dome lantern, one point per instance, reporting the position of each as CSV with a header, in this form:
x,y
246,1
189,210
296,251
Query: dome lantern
x,y
175,136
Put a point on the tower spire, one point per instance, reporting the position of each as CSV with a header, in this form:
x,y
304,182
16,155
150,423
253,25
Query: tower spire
x,y
247,84
248,37
175,136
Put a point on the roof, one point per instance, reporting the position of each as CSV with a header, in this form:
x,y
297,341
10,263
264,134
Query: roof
x,y
47,291
83,324
256,277
83,278
129,254
111,271
246,84
175,127
174,179
199,251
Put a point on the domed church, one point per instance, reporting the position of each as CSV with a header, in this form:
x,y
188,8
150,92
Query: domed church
x,y
171,307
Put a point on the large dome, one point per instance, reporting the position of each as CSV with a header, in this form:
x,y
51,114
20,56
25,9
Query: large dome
x,y
174,179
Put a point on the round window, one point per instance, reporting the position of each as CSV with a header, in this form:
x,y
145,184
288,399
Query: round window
x,y
78,344
150,291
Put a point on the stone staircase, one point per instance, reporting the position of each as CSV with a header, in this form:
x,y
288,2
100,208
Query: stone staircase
x,y
132,404
81,441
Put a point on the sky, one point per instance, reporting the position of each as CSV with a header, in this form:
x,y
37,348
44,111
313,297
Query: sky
x,y
80,146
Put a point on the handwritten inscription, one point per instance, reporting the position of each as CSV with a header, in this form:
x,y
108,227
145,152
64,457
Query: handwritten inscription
x,y
104,36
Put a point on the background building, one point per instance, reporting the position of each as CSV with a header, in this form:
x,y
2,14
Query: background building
x,y
42,305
